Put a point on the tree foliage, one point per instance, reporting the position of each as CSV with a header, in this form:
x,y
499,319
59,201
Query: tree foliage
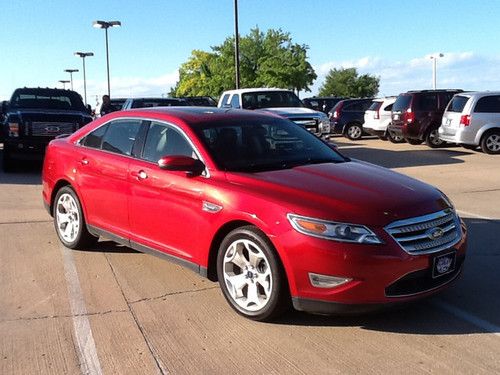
x,y
266,60
347,83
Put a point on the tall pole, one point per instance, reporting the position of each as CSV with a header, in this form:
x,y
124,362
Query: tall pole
x,y
236,45
84,81
434,73
71,71
107,61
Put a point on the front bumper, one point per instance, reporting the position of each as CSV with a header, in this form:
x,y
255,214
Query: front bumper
x,y
25,149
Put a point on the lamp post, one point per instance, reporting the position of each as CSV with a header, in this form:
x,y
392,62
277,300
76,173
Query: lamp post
x,y
106,25
434,68
71,71
83,55
236,45
64,81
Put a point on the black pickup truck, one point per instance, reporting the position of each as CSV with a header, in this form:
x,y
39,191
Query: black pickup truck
x,y
35,116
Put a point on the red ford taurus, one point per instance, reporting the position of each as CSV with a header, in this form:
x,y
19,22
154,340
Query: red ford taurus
x,y
258,203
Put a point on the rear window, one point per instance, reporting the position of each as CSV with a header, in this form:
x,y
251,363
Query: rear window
x,y
457,104
47,99
148,103
402,103
488,104
375,106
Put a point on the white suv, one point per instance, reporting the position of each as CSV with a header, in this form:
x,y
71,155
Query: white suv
x,y
378,118
472,119
282,102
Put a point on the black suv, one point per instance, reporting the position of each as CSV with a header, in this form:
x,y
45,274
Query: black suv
x,y
35,116
417,115
132,103
347,117
199,101
323,104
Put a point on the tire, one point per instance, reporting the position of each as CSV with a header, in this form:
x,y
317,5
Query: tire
x,y
490,142
432,139
414,141
69,221
468,147
251,276
395,138
382,137
353,131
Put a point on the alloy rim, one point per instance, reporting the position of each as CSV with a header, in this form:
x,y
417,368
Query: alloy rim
x,y
493,143
247,275
354,132
434,138
67,218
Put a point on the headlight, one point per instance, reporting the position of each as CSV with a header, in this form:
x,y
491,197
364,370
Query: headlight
x,y
13,129
447,200
329,230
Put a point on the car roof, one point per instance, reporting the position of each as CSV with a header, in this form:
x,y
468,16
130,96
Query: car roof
x,y
254,89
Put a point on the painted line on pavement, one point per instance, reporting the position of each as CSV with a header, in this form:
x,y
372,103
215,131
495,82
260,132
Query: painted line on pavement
x,y
466,213
459,313
84,340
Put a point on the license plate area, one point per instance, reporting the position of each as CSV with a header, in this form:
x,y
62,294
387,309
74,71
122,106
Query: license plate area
x,y
444,264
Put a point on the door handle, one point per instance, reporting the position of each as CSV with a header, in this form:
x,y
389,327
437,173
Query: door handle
x,y
141,175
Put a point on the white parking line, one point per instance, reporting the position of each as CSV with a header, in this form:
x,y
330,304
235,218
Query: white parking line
x,y
459,313
462,212
85,345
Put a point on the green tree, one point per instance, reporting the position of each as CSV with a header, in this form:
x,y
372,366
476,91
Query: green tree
x,y
347,82
266,60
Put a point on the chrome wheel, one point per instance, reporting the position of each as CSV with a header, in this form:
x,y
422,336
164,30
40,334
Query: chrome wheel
x,y
247,275
354,132
433,139
67,218
493,143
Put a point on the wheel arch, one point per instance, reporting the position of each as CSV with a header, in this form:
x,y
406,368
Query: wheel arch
x,y
485,129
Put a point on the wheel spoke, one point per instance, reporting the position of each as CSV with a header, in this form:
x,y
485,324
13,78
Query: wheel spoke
x,y
253,295
235,284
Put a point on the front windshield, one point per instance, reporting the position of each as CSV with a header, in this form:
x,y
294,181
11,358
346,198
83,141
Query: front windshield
x,y
264,144
46,99
270,99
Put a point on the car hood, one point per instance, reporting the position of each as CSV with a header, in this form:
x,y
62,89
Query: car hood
x,y
293,111
354,192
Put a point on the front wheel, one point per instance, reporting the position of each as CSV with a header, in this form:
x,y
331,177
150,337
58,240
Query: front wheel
x,y
490,143
432,139
69,221
251,276
354,132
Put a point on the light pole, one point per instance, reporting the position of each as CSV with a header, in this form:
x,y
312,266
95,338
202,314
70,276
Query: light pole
x,y
106,25
83,55
71,71
236,45
64,81
434,68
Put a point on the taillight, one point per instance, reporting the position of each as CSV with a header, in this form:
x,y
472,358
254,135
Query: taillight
x,y
465,120
409,116
13,129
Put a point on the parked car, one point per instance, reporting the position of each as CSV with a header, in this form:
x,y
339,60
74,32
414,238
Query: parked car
x,y
378,117
472,120
323,103
199,101
35,116
347,117
281,102
132,103
417,115
269,210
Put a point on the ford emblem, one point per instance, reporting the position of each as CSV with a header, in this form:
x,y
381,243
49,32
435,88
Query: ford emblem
x,y
435,233
52,129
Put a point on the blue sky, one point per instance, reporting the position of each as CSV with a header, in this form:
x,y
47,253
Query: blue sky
x,y
389,39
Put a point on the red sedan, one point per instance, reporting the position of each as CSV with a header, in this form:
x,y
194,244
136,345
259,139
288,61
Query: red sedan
x,y
256,202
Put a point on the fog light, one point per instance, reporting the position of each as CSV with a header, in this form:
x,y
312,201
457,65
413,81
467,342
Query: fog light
x,y
324,281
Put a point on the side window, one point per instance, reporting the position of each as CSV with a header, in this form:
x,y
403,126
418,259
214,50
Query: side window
x,y
445,99
235,101
120,136
94,139
163,140
428,102
488,104
366,105
225,99
388,108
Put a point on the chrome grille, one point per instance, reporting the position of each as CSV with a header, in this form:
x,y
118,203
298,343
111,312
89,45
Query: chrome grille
x,y
426,234
40,129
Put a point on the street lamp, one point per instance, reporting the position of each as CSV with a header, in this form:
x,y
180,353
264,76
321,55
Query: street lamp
x,y
83,55
434,63
236,45
106,25
64,81
71,71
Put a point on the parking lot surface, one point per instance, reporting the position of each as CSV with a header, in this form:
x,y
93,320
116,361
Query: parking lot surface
x,y
112,310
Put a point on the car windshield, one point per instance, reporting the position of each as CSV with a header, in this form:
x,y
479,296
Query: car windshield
x,y
270,99
402,103
148,103
47,99
457,104
261,145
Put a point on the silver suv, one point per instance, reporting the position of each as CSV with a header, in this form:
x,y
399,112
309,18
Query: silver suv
x,y
472,119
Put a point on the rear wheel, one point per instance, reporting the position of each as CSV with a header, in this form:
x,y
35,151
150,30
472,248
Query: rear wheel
x,y
354,131
490,142
251,276
69,221
413,141
395,138
432,139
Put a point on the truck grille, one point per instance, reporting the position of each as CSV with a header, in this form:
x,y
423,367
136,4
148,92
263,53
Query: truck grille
x,y
426,234
308,123
43,129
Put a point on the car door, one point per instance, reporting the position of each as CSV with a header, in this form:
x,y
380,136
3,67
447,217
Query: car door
x,y
165,206
102,174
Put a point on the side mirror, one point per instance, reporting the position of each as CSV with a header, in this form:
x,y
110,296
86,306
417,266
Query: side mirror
x,y
192,167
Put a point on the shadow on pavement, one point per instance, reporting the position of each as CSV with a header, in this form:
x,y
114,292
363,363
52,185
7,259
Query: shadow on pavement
x,y
26,173
110,247
399,159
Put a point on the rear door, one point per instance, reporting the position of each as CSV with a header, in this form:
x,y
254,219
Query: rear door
x,y
451,117
486,112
